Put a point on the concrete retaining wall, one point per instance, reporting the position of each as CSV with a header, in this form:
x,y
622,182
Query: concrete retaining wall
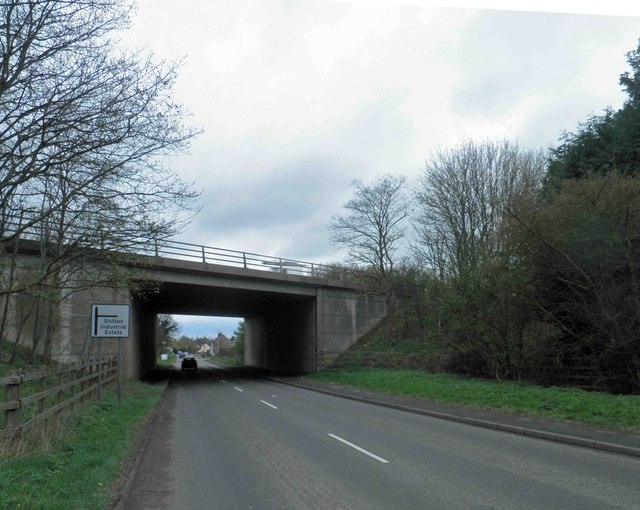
x,y
344,318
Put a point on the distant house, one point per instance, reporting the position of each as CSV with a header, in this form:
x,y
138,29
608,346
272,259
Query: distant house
x,y
222,345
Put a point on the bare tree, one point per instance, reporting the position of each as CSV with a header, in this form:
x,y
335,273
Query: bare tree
x,y
463,229
82,124
83,127
462,200
374,226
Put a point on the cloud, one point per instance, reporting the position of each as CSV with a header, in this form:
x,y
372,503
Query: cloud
x,y
531,64
275,198
299,98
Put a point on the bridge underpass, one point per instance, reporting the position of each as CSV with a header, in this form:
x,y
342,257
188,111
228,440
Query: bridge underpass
x,y
287,319
292,323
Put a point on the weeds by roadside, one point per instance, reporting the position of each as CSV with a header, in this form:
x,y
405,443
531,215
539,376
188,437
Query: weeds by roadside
x,y
41,438
79,465
22,359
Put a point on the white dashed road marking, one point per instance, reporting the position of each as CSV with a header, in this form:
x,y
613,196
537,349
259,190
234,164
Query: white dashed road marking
x,y
362,450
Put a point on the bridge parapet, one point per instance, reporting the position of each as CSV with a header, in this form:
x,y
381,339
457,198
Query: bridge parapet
x,y
95,238
241,259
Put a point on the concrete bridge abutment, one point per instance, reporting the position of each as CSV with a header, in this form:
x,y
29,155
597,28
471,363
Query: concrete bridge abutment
x,y
309,335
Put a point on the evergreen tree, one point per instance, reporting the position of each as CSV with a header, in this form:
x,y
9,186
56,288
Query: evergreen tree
x,y
605,143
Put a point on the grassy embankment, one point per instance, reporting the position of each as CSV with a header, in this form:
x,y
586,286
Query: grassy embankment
x,y
21,360
612,411
84,454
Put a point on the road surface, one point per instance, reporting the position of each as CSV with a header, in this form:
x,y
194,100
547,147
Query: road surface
x,y
228,439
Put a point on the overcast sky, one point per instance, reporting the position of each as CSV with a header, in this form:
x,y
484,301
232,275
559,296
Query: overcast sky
x,y
297,98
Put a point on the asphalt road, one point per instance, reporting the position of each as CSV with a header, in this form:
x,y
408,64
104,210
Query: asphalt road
x,y
228,439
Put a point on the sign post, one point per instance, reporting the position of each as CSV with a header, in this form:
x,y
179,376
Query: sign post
x,y
109,321
99,370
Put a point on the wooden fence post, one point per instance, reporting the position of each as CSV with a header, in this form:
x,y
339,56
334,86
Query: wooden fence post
x,y
42,386
77,373
94,379
83,384
60,383
12,394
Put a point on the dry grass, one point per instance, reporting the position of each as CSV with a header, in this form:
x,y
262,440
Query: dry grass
x,y
42,437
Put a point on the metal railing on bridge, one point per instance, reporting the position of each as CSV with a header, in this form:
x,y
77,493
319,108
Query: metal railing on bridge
x,y
235,258
129,242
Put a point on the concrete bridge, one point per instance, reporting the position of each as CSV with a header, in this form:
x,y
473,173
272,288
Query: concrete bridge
x,y
298,316
292,322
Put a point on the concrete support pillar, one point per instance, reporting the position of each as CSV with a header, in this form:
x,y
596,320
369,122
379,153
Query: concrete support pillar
x,y
284,339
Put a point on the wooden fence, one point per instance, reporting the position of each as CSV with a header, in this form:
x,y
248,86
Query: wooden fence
x,y
338,360
32,397
574,376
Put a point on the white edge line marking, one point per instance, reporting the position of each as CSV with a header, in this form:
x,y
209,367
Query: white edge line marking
x,y
239,389
362,450
223,381
268,404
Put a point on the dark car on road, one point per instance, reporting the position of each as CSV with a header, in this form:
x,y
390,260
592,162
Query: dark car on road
x,y
189,363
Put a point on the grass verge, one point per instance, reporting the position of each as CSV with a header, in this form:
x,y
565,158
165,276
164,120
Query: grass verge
x,y
169,362
621,412
81,470
228,360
